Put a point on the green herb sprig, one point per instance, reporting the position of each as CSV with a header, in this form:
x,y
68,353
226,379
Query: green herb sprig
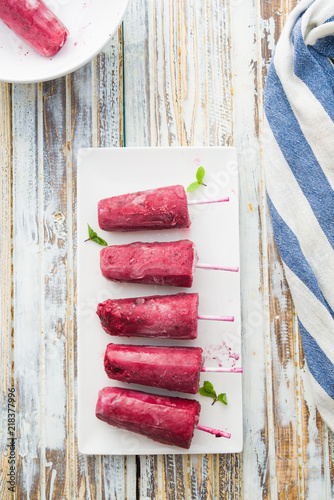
x,y
199,182
94,237
208,391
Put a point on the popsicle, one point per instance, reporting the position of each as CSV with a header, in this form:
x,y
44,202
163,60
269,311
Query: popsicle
x,y
160,263
156,316
172,368
164,419
162,208
34,23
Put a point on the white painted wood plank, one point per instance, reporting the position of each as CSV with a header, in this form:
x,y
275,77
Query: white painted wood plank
x,y
54,281
5,280
27,248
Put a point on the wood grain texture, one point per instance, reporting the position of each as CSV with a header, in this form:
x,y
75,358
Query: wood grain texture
x,y
178,72
6,350
28,254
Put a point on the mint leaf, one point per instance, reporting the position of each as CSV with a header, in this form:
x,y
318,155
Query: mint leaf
x,y
94,237
208,391
192,187
205,393
209,387
91,233
100,241
200,175
222,398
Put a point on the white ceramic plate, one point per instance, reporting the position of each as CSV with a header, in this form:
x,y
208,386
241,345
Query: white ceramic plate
x,y
91,24
215,232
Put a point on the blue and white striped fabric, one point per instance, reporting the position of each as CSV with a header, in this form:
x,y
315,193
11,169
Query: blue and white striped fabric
x,y
299,165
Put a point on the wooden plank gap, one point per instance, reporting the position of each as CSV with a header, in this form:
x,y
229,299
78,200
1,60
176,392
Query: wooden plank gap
x,y
7,380
205,76
70,347
98,475
212,127
9,135
298,396
174,49
196,97
327,464
138,473
41,237
181,53
229,10
121,80
6,264
265,259
153,74
95,105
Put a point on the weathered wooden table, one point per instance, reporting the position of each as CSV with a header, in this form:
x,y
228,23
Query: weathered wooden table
x,y
178,72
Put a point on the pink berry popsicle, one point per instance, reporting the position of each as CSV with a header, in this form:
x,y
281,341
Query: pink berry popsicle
x,y
164,419
169,263
162,208
34,23
172,368
156,316
161,263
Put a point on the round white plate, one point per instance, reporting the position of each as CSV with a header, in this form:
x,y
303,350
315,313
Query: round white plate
x,y
91,24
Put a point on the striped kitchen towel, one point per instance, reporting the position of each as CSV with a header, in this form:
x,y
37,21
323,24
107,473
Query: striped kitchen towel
x,y
299,169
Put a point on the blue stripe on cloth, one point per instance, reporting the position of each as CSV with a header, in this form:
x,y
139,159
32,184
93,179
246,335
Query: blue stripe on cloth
x,y
293,256
299,154
325,45
308,67
326,65
320,366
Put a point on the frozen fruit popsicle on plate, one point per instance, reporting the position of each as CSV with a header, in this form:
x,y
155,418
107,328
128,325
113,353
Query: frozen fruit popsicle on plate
x,y
156,316
164,419
160,263
161,208
34,23
170,263
172,368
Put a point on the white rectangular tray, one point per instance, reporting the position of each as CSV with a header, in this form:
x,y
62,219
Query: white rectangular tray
x,y
215,232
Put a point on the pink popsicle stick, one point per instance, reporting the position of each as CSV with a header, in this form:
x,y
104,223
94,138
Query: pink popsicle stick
x,y
215,318
220,369
217,268
215,432
203,202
